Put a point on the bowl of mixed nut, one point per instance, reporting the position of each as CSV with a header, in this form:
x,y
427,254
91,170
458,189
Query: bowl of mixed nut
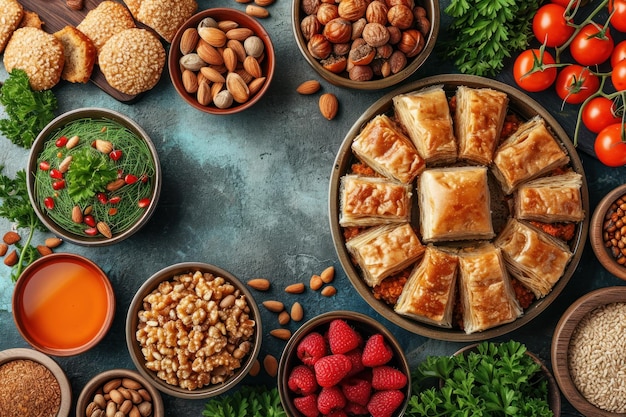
x,y
221,61
193,330
367,45
608,231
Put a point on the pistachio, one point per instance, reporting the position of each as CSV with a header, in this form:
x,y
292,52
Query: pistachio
x,y
254,46
207,22
192,62
223,99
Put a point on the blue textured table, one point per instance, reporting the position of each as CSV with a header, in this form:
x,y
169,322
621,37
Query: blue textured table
x,y
249,193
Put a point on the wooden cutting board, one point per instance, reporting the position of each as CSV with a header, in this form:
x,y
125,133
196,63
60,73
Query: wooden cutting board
x,y
56,15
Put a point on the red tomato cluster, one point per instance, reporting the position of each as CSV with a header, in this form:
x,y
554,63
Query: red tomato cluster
x,y
591,44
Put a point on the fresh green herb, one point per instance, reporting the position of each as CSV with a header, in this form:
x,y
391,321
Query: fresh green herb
x,y
29,111
90,173
485,32
248,401
496,379
16,208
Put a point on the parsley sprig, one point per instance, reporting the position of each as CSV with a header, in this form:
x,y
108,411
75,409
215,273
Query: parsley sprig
x,y
485,32
248,401
497,379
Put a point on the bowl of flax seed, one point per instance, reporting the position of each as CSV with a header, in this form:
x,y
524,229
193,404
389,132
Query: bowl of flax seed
x,y
33,384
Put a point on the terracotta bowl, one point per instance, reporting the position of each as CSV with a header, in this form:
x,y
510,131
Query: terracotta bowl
x,y
266,60
607,255
212,388
63,304
21,354
143,395
366,326
106,208
342,78
566,330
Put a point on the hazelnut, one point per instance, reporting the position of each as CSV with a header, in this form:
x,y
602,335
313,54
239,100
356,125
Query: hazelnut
x,y
357,28
319,46
421,20
385,69
412,42
361,73
377,12
310,26
384,51
310,6
397,62
408,3
395,34
341,49
326,13
334,63
352,10
376,34
400,16
362,55
338,30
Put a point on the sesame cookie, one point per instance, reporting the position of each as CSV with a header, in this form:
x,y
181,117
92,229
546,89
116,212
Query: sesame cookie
x,y
132,61
38,53
106,20
165,16
11,13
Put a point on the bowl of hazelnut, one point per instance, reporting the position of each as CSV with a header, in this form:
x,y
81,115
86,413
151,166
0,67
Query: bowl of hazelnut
x,y
608,231
221,61
343,362
193,330
366,45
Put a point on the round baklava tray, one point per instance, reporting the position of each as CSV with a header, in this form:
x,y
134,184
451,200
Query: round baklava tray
x,y
521,106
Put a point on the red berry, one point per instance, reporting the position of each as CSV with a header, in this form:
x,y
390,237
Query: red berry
x,y
102,197
330,400
92,231
342,338
338,413
384,403
115,199
89,220
311,348
44,165
56,174
115,154
331,369
62,141
130,179
354,409
357,363
49,203
58,185
376,351
143,203
302,380
357,390
307,405
386,378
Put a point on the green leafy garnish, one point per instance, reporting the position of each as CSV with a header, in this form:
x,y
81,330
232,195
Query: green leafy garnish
x,y
485,32
29,111
249,401
89,174
496,379
16,207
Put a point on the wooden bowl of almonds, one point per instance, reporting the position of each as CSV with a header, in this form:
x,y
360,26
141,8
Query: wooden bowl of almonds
x,y
607,231
221,61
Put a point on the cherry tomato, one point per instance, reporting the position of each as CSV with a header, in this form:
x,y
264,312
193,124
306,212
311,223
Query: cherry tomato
x,y
115,154
576,83
48,202
618,76
550,25
61,142
599,113
143,203
58,185
564,3
56,174
536,81
44,165
619,53
609,147
591,46
130,179
618,19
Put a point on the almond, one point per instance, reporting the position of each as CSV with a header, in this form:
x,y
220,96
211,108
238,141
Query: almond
x,y
256,368
11,258
4,248
204,93
103,146
230,59
316,282
255,85
209,54
65,164
256,11
328,275
309,87
271,365
44,250
213,36
284,318
259,284
329,291
297,312
274,306
189,40
252,66
53,242
238,48
11,238
212,75
264,3
77,215
227,25
283,334
237,87
73,141
115,185
240,34
297,288
190,81
329,105
104,229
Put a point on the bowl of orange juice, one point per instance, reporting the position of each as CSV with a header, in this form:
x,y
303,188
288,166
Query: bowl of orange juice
x,y
63,304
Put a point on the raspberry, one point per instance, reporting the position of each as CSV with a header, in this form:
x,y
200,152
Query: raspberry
x,y
338,413
376,351
384,403
302,380
387,378
342,338
331,369
307,405
357,390
311,348
357,364
330,400
354,409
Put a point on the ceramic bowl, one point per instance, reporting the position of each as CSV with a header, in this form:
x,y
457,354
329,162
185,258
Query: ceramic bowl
x,y
525,108
366,326
341,78
569,329
246,360
266,60
49,184
63,304
143,395
14,358
603,227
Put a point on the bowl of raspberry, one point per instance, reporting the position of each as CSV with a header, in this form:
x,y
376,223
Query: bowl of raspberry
x,y
343,363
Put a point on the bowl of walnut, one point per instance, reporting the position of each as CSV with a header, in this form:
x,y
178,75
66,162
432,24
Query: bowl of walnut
x,y
366,45
193,330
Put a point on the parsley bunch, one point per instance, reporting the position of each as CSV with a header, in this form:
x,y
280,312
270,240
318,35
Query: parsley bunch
x,y
249,401
493,380
89,174
485,32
